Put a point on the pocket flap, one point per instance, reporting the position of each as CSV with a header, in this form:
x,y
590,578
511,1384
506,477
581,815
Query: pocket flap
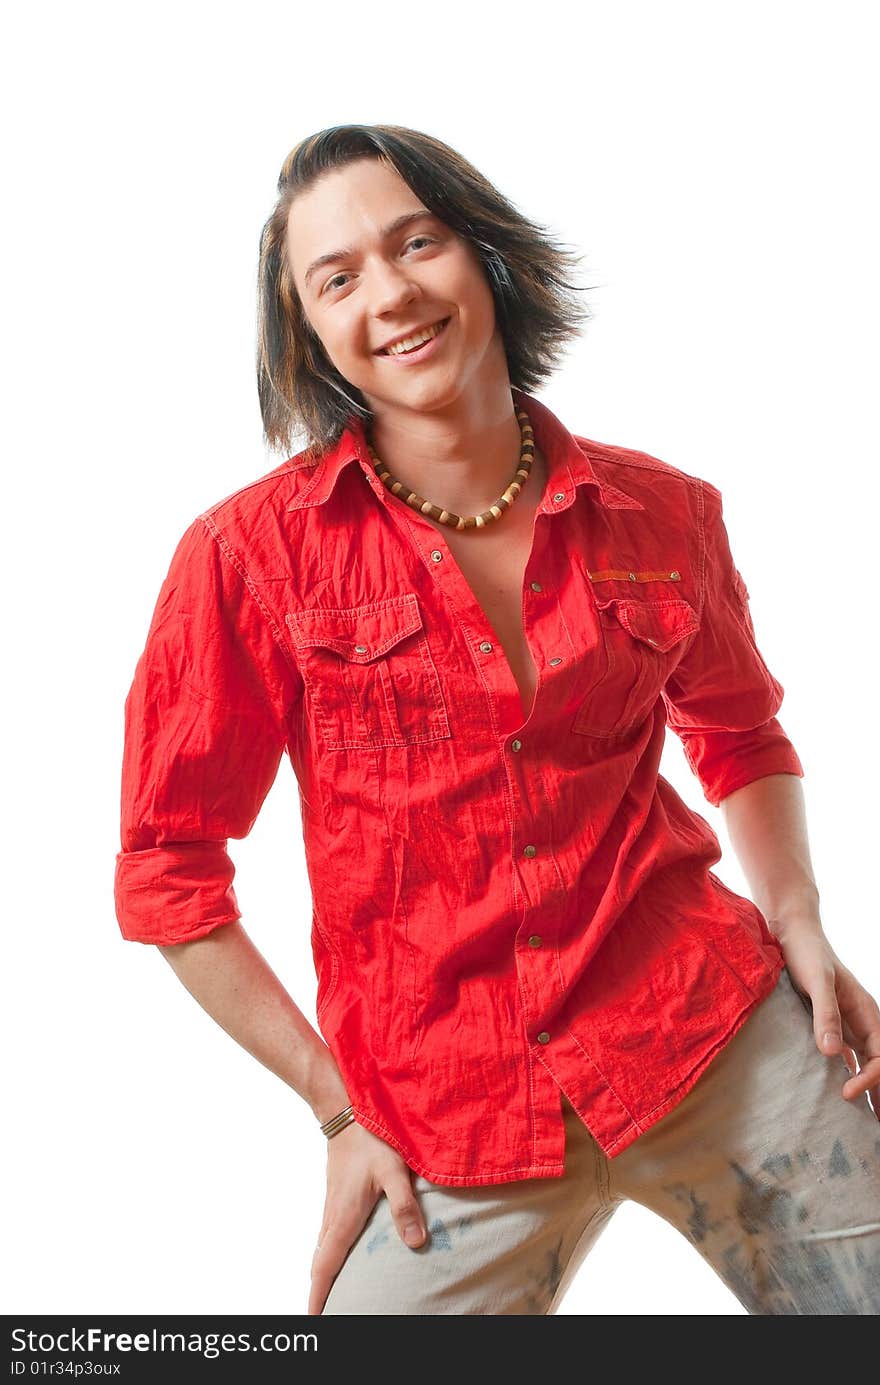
x,y
661,624
358,633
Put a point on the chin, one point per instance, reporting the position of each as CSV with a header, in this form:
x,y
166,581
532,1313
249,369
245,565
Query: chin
x,y
409,389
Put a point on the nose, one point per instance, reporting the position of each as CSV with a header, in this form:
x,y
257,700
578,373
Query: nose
x,y
391,288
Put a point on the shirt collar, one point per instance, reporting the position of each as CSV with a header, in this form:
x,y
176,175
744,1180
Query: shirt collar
x,y
568,465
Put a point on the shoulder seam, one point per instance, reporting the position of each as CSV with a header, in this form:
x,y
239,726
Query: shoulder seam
x,y
707,491
701,522
640,461
236,561
273,478
634,457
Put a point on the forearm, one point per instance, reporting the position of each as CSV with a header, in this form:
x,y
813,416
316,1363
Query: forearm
x,y
767,825
235,985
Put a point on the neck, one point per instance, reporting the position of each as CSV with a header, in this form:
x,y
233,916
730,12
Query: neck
x,y
460,460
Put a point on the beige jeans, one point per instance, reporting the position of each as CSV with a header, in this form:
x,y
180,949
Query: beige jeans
x,y
763,1166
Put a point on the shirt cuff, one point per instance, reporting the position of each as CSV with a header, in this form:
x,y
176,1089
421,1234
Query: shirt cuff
x,y
174,893
727,760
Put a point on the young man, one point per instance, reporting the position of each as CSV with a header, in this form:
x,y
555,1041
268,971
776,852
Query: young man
x,y
469,628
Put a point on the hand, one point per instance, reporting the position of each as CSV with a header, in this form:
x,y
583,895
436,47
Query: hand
x,y
846,1019
360,1168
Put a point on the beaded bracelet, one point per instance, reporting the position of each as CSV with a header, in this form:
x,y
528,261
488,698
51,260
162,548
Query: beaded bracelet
x,y
332,1127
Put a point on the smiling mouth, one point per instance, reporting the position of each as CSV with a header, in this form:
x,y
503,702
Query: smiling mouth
x,y
437,329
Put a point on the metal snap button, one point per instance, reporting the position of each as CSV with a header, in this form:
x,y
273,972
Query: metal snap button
x,y
536,587
486,647
560,495
557,660
535,940
516,745
360,649
543,1037
530,851
437,555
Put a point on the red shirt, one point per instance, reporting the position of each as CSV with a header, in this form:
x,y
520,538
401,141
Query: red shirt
x,y
502,910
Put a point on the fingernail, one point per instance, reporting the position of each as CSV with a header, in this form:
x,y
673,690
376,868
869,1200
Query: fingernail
x,y
830,1038
412,1235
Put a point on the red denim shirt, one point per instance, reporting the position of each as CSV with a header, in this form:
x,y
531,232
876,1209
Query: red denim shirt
x,y
502,910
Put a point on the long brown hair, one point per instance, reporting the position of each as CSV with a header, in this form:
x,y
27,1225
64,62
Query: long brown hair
x,y
536,309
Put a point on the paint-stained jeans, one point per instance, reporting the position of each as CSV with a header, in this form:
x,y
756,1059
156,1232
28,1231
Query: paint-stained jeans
x,y
763,1166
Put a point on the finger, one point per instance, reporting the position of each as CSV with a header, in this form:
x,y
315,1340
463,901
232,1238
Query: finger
x,y
848,1055
858,1019
827,1022
405,1209
867,1078
330,1255
861,1029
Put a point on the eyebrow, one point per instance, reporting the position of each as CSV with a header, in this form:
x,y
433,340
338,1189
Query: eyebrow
x,y
333,256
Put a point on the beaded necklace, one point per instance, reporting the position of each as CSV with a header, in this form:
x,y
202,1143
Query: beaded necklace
x,y
504,501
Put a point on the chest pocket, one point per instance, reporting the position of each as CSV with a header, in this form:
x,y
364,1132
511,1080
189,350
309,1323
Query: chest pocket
x,y
369,674
642,641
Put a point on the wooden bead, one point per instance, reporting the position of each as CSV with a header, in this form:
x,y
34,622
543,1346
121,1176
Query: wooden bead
x,y
454,521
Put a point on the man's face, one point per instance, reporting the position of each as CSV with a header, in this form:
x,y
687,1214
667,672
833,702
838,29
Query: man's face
x,y
382,284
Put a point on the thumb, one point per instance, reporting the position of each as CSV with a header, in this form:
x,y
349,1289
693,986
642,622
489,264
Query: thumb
x,y
827,1025
404,1206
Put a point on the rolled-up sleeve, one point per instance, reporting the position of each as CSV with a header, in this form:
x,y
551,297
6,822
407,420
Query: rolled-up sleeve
x,y
204,732
722,700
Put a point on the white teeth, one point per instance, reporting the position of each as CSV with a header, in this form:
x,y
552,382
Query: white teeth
x,y
409,342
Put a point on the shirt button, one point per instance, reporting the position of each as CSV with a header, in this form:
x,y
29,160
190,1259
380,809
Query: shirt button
x,y
486,647
516,745
530,851
535,940
437,555
536,587
543,1037
560,495
557,660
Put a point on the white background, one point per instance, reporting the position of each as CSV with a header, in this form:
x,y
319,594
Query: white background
x,y
714,165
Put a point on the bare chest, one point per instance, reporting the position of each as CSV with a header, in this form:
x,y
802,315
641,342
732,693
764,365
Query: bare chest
x,y
493,564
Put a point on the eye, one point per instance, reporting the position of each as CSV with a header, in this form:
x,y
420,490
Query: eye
x,y
334,282
331,282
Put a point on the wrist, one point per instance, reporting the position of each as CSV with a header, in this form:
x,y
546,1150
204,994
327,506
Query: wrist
x,y
331,1106
797,915
326,1093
